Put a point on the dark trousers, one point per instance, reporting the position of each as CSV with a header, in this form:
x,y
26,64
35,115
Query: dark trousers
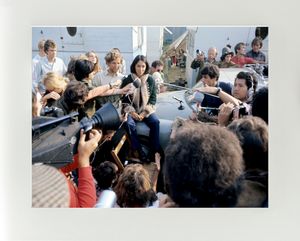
x,y
153,123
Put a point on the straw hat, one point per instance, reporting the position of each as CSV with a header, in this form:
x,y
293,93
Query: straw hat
x,y
49,187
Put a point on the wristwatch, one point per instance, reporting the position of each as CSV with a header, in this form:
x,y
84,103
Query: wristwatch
x,y
218,90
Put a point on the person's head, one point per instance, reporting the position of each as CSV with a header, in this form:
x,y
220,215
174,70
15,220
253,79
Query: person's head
x,y
105,174
91,55
240,48
212,54
157,66
75,95
41,44
203,166
50,49
242,85
201,56
260,104
134,187
83,69
253,135
139,66
55,82
210,74
49,188
113,61
227,54
36,103
116,50
256,44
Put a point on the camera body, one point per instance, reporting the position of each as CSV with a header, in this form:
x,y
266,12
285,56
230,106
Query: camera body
x,y
239,111
55,142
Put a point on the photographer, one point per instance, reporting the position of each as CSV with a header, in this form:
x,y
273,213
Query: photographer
x,y
239,102
51,188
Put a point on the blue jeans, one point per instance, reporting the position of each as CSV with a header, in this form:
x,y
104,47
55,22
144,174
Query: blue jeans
x,y
153,123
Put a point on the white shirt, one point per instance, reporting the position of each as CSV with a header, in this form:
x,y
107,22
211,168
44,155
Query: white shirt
x,y
104,78
36,59
158,81
44,66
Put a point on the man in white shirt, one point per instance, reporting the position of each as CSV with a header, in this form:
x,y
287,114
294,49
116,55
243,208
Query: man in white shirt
x,y
47,64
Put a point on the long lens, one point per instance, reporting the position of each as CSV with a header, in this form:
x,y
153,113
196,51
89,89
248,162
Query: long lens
x,y
106,118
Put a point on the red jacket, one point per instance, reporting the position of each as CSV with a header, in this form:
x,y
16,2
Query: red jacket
x,y
85,195
241,60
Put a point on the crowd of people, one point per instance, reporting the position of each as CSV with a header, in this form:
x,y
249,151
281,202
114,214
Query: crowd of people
x,y
216,158
228,59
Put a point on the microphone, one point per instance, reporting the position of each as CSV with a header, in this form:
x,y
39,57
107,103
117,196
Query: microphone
x,y
134,85
177,99
190,90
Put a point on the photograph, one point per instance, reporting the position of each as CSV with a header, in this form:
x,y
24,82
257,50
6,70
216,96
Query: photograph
x,y
149,120
150,116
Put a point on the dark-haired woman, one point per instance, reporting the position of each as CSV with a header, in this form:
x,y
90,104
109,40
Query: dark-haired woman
x,y
140,106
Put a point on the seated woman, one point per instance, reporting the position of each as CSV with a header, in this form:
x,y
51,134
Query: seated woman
x,y
140,106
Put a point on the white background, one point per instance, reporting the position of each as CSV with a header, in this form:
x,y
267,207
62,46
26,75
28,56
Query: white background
x,y
20,222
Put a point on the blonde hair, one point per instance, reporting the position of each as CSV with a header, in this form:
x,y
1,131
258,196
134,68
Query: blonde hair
x,y
55,81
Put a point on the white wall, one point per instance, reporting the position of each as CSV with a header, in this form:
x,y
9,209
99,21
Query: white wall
x,y
154,43
99,39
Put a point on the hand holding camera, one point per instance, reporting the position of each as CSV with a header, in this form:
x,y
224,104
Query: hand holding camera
x,y
86,148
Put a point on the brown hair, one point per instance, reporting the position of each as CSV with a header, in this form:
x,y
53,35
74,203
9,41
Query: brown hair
x,y
203,166
112,55
253,135
49,44
257,40
134,188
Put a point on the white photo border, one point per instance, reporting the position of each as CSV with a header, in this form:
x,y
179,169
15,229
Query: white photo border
x,y
21,222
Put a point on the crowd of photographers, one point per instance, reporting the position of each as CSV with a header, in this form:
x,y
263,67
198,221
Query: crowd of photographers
x,y
216,158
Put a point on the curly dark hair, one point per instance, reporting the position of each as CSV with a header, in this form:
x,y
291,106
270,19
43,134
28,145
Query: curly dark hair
x,y
134,187
203,166
105,174
75,95
253,135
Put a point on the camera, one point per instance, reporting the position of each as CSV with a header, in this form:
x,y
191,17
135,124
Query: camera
x,y
52,111
239,111
55,142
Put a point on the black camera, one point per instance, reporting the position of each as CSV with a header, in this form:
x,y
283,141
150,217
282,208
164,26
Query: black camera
x,y
240,111
55,142
52,111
